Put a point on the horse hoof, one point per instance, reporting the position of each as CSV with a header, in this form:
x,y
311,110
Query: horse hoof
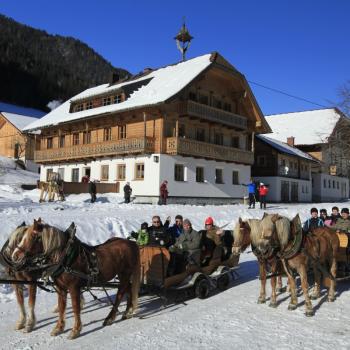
x,y
292,307
309,313
56,331
331,299
28,328
126,316
261,301
107,322
314,296
73,335
19,326
273,304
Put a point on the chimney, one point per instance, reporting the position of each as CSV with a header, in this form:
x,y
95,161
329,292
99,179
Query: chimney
x,y
290,141
115,77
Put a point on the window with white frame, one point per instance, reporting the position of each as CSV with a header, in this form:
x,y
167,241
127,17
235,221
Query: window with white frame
x,y
199,174
179,172
121,172
235,177
139,171
219,178
104,172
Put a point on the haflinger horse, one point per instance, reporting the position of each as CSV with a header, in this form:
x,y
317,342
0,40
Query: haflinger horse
x,y
297,251
25,322
116,257
245,234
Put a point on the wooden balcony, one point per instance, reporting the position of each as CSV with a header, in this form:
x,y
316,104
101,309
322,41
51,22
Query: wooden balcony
x,y
101,149
212,114
193,148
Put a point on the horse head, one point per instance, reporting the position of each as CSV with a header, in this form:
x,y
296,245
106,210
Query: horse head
x,y
30,236
275,232
241,235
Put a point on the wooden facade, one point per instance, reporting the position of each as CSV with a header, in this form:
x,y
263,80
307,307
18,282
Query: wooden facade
x,y
213,118
14,143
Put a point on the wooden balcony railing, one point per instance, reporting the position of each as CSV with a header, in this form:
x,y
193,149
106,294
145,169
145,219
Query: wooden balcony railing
x,y
195,148
212,114
107,148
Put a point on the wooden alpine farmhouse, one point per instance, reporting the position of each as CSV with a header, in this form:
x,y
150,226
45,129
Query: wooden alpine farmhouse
x,y
191,123
14,143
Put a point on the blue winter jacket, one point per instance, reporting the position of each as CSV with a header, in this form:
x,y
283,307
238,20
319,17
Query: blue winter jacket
x,y
251,188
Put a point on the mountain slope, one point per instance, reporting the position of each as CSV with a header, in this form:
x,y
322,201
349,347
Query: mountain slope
x,y
36,67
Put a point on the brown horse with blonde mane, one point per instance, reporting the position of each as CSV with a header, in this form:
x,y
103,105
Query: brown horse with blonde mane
x,y
297,251
26,322
268,262
116,257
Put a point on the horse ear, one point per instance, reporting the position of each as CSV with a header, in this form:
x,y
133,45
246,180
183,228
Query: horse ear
x,y
275,217
39,220
264,216
240,220
22,224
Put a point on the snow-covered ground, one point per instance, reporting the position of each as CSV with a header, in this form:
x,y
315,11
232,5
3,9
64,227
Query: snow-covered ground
x,y
231,319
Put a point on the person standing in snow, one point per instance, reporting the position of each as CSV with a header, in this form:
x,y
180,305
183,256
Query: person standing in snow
x,y
263,191
92,191
251,193
164,192
127,192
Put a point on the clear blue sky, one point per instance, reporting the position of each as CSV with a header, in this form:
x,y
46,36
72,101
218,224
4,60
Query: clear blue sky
x,y
297,46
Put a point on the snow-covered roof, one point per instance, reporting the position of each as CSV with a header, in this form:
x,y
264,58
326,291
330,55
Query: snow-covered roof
x,y
165,83
308,127
30,112
285,148
18,120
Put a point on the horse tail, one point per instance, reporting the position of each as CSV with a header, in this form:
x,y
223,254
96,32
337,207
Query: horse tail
x,y
136,280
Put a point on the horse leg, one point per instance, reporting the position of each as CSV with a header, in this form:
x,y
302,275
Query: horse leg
x,y
113,313
305,286
316,291
31,305
62,303
42,194
262,272
279,288
129,306
273,302
22,311
291,286
333,283
75,296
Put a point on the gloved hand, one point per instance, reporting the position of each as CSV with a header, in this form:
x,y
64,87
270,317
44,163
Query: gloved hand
x,y
134,234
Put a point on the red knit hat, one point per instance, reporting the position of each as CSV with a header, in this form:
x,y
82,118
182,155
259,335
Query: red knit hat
x,y
209,221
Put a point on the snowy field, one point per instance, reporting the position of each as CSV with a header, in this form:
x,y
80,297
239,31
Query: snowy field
x,y
228,320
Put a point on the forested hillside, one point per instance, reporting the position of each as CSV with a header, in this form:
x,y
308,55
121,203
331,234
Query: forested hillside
x,y
36,68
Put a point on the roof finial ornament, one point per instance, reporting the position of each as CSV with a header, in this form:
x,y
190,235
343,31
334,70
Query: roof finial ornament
x,y
183,40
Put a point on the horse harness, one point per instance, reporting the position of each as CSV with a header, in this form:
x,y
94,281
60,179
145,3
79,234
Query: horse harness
x,y
42,266
73,249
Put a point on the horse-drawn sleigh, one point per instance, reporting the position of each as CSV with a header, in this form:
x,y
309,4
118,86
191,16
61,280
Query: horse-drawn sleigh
x,y
43,256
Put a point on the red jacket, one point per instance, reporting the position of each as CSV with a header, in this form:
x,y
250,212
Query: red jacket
x,y
164,190
263,190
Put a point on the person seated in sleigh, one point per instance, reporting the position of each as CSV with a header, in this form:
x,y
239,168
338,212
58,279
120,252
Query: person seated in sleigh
x,y
313,222
186,249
